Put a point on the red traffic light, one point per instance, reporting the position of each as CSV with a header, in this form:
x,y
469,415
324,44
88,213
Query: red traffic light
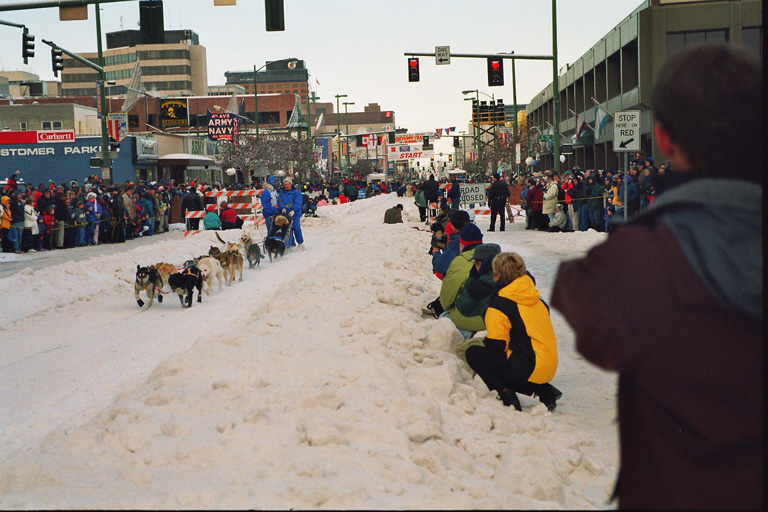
x,y
413,69
495,65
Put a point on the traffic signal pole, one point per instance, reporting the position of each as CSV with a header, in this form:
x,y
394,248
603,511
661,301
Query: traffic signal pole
x,y
513,57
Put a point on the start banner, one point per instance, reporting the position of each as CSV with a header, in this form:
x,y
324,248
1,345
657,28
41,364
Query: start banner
x,y
400,152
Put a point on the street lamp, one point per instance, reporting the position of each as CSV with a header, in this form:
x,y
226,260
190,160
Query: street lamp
x,y
338,127
256,88
346,122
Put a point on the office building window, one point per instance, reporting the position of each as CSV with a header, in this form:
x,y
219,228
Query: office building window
x,y
22,126
752,39
51,125
679,40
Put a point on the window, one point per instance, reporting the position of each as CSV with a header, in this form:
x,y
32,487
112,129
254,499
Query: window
x,y
679,40
752,39
51,125
22,126
133,121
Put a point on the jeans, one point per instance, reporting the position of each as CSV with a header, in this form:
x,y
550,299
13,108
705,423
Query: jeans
x,y
455,202
583,217
464,333
15,234
596,219
79,236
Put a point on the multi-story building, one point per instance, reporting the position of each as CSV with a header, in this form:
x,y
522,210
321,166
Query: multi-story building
x,y
177,66
21,84
619,71
285,76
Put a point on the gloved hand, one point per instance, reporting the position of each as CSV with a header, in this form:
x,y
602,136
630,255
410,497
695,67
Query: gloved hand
x,y
284,211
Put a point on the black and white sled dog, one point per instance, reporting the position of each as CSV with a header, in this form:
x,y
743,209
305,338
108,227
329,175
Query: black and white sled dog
x,y
185,282
149,280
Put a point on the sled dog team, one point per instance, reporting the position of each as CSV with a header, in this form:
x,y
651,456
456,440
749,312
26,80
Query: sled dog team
x,y
218,265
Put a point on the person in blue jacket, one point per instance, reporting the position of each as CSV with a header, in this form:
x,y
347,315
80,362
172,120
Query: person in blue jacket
x,y
269,202
289,200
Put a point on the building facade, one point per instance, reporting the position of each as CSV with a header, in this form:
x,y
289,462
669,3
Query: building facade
x,y
285,76
619,71
178,66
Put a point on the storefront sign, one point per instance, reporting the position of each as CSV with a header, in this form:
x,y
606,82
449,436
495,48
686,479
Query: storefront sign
x,y
222,125
173,113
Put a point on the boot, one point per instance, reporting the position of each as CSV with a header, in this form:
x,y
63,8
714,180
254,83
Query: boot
x,y
509,398
548,395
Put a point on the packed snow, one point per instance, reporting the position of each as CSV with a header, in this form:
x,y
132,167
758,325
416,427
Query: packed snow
x,y
316,382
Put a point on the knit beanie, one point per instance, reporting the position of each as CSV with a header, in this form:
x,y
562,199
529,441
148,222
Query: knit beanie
x,y
470,234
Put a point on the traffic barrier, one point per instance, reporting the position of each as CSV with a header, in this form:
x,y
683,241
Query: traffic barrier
x,y
254,207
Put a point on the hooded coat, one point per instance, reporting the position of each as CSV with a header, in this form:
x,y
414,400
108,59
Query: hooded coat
x,y
455,276
518,323
690,368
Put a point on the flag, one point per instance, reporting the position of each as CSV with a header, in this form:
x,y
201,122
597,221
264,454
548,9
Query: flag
x,y
601,118
316,81
582,127
319,122
134,89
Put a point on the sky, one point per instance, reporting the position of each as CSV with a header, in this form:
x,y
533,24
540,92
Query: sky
x,y
357,48
314,383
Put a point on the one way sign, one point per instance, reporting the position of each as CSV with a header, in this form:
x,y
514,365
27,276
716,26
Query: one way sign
x,y
626,131
442,55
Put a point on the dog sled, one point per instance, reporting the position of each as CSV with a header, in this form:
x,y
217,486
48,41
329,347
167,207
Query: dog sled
x,y
278,236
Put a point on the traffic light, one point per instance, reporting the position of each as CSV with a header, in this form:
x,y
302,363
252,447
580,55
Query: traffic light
x,y
27,45
501,113
475,112
495,72
274,15
57,61
450,158
456,142
413,69
482,114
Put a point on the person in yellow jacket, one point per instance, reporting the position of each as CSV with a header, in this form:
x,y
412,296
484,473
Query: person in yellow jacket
x,y
519,352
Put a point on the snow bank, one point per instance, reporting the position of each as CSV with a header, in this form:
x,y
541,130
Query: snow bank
x,y
313,383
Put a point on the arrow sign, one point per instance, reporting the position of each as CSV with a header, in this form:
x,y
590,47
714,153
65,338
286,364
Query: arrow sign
x,y
626,131
442,55
625,143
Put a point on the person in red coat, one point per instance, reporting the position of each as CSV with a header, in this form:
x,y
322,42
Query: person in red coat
x,y
228,216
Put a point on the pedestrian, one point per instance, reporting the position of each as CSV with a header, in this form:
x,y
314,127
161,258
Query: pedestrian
x,y
289,200
519,352
691,365
420,200
498,195
394,215
454,193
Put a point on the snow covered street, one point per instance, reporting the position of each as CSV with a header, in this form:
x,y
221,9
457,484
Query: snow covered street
x,y
315,382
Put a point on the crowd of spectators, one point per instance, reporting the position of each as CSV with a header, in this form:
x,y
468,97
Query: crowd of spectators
x,y
576,200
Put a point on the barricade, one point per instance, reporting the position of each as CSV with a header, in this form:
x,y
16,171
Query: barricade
x,y
252,211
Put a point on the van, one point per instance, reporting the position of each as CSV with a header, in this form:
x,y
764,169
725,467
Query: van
x,y
376,178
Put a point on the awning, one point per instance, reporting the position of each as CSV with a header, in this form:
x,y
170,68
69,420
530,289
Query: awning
x,y
187,160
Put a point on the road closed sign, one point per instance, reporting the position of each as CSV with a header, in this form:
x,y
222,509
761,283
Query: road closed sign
x,y
626,131
472,193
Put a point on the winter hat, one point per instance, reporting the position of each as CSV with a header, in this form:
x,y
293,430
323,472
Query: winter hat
x,y
459,219
470,234
211,208
90,196
450,229
484,251
271,180
288,179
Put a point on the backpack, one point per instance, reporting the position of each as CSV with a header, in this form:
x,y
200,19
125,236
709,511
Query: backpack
x,y
475,294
